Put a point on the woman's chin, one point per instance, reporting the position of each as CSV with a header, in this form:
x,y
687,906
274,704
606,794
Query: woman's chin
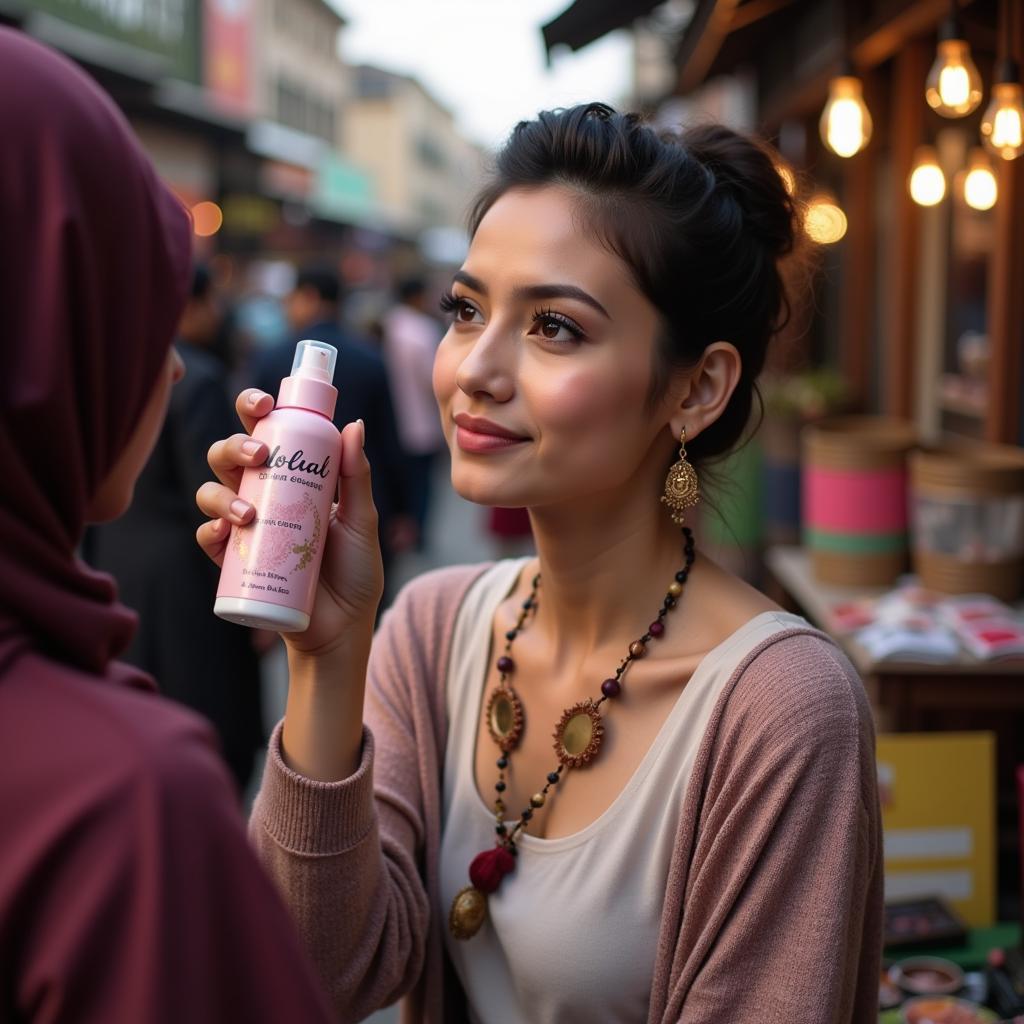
x,y
493,493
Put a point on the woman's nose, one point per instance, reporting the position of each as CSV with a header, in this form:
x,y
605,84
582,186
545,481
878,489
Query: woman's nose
x,y
488,368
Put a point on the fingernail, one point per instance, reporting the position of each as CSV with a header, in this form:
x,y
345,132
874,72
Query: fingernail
x,y
240,508
362,433
255,397
251,447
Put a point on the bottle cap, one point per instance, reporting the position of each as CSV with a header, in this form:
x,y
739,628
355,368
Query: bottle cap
x,y
315,360
309,385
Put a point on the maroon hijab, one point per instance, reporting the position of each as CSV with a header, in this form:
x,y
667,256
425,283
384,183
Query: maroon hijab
x,y
94,265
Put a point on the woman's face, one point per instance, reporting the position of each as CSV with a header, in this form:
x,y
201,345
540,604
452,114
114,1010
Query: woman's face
x,y
114,494
551,343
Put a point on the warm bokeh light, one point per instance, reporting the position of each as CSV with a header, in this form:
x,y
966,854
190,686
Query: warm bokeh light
x,y
824,221
207,219
980,187
927,182
845,121
1002,127
953,86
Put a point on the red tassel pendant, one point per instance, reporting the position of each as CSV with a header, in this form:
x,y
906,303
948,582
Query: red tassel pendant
x,y
469,908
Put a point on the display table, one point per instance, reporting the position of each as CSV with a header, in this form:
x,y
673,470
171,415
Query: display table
x,y
904,693
971,957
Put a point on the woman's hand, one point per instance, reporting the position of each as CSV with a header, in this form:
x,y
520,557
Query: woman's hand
x,y
351,575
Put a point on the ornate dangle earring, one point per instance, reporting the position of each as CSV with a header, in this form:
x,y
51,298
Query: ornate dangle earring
x,y
682,490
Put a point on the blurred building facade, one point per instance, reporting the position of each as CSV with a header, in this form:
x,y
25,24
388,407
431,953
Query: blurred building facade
x,y
424,169
248,105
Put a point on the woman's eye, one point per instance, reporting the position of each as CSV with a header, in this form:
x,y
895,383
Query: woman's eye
x,y
466,313
552,327
458,309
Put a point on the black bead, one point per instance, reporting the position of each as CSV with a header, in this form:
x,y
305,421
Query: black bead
x,y
670,601
500,787
553,777
528,603
502,761
510,635
681,576
646,638
527,814
513,849
500,829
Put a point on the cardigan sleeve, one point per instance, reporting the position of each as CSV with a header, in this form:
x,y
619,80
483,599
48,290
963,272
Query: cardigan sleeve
x,y
783,899
349,855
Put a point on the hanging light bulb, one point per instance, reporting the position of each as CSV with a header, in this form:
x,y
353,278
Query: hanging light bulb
x,y
824,220
845,121
927,182
953,86
1002,125
979,183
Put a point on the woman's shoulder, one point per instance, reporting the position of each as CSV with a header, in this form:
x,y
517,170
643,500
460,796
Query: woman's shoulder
x,y
101,745
800,686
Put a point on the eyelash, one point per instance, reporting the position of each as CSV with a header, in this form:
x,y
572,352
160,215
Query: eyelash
x,y
451,303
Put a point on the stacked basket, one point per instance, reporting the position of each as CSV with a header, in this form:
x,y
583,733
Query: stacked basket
x,y
855,498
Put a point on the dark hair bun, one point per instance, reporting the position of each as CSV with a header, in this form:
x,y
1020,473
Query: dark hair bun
x,y
748,171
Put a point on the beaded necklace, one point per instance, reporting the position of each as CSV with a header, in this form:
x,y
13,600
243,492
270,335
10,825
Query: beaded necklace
x,y
577,739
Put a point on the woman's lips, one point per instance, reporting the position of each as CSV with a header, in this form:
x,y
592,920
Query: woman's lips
x,y
474,434
472,441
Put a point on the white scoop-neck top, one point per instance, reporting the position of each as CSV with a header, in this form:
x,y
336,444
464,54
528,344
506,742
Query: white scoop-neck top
x,y
571,934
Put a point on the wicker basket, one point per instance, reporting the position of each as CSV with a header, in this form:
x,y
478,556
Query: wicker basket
x,y
855,498
967,508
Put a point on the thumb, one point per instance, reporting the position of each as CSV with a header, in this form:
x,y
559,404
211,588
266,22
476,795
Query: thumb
x,y
357,508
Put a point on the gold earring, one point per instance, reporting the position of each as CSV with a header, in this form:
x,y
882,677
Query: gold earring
x,y
682,490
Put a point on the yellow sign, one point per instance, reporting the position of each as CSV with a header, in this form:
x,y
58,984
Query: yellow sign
x,y
938,811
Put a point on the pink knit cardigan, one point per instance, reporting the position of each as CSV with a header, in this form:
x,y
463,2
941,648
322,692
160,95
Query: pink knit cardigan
x,y
773,904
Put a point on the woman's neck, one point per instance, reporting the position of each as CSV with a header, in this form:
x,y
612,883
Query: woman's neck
x,y
604,569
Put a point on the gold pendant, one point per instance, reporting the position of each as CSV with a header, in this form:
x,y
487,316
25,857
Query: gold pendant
x,y
505,717
468,913
578,735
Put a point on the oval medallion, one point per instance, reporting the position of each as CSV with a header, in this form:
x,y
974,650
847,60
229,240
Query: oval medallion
x,y
578,735
504,717
469,909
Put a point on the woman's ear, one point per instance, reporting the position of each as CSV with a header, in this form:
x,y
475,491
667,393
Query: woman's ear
x,y
707,389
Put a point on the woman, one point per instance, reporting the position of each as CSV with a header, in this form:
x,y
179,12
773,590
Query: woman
x,y
702,841
128,892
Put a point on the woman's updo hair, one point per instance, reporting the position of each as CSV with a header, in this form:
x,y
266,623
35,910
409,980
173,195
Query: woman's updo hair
x,y
701,218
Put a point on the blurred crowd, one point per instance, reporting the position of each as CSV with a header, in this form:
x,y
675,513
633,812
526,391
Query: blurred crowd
x,y
230,342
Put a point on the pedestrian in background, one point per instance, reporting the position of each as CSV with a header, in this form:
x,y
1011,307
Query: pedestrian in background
x,y
153,542
128,891
313,309
410,340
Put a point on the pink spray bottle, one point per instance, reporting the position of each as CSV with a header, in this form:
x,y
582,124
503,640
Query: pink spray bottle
x,y
271,565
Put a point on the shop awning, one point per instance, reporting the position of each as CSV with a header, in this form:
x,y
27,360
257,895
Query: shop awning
x,y
586,20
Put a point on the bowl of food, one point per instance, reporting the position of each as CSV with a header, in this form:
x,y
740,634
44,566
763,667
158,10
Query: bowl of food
x,y
927,976
944,1010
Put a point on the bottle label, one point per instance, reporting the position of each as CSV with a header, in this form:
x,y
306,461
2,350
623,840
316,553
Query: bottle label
x,y
275,557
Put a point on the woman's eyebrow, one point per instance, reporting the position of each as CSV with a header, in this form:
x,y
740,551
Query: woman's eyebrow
x,y
536,291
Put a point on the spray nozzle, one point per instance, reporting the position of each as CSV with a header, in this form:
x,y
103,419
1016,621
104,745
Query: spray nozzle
x,y
315,360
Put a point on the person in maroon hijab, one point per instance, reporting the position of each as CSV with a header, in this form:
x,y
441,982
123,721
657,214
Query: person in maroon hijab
x,y
128,891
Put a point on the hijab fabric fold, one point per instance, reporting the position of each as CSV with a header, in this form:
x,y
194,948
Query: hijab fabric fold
x,y
94,269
